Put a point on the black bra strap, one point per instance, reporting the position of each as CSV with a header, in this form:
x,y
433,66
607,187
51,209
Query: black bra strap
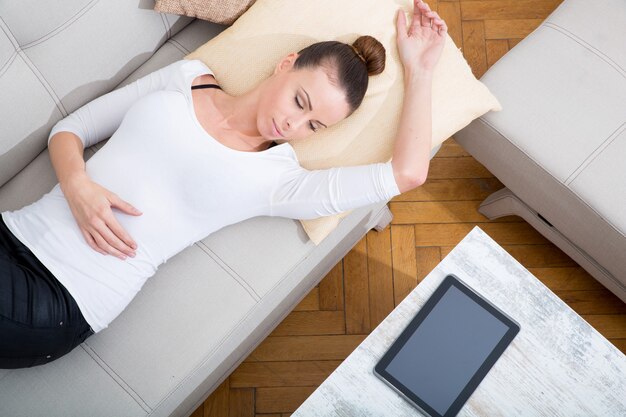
x,y
206,86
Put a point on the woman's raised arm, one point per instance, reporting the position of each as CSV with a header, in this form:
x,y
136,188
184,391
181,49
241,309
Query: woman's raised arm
x,y
300,193
419,48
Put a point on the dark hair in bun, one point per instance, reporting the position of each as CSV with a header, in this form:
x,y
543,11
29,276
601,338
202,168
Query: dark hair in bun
x,y
373,52
347,65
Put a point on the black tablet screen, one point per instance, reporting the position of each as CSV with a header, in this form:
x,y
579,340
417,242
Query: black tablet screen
x,y
447,349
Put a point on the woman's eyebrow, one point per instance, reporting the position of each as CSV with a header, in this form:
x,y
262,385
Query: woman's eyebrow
x,y
308,99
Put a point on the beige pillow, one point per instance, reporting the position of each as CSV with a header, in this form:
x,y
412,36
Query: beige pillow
x,y
247,52
217,11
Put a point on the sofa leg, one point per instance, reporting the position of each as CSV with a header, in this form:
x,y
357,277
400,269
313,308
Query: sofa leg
x,y
504,203
384,219
499,204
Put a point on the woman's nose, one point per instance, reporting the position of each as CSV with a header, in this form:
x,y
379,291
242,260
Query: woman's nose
x,y
295,123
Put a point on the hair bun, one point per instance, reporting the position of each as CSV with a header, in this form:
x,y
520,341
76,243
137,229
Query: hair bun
x,y
372,51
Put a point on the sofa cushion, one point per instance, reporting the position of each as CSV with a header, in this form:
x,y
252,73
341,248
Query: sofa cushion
x,y
224,12
560,142
368,135
143,344
74,385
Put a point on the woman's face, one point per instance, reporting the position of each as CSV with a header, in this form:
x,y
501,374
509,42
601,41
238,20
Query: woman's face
x,y
299,102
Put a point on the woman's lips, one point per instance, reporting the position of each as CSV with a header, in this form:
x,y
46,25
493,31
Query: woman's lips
x,y
276,131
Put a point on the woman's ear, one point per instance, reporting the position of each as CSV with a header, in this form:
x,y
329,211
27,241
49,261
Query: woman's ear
x,y
286,63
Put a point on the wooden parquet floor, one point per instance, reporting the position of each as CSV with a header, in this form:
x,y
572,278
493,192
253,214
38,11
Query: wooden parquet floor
x,y
376,275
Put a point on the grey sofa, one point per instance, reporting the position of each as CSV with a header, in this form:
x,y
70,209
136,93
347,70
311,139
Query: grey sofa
x,y
205,309
559,144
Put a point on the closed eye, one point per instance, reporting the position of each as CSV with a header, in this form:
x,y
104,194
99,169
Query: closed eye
x,y
310,124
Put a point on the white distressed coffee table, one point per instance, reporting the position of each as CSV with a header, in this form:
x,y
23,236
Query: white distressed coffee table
x,y
557,365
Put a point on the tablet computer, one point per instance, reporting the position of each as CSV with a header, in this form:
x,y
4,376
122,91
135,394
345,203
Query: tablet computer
x,y
447,349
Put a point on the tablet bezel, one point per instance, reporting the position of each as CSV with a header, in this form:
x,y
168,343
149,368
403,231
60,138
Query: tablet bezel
x,y
396,346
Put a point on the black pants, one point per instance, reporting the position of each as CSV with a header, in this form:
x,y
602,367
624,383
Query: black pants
x,y
39,320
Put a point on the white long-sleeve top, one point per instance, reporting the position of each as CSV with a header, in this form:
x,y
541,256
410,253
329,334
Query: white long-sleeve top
x,y
187,184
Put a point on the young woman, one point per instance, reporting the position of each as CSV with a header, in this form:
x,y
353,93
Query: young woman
x,y
193,159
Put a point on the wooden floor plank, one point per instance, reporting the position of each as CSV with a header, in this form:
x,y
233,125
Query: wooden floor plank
x,y
218,402
510,28
282,373
609,325
311,322
281,399
496,49
241,402
311,302
436,212
507,9
331,289
447,234
620,344
356,289
459,167
589,302
451,148
474,46
427,259
572,278
380,275
450,12
456,189
305,348
404,261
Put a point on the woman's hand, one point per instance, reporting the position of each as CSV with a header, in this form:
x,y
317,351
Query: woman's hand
x,y
420,46
91,206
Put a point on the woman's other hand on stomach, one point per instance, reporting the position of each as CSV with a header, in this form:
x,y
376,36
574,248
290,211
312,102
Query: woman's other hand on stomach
x,y
91,206
420,44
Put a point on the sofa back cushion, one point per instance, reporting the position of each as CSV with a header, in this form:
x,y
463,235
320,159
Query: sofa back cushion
x,y
63,56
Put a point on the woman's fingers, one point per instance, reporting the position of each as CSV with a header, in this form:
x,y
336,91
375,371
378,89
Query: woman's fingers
x,y
438,24
432,17
118,247
123,241
437,21
443,28
108,241
91,207
91,242
421,10
423,16
103,244
401,23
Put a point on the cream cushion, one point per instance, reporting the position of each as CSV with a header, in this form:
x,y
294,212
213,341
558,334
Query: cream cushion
x,y
247,52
